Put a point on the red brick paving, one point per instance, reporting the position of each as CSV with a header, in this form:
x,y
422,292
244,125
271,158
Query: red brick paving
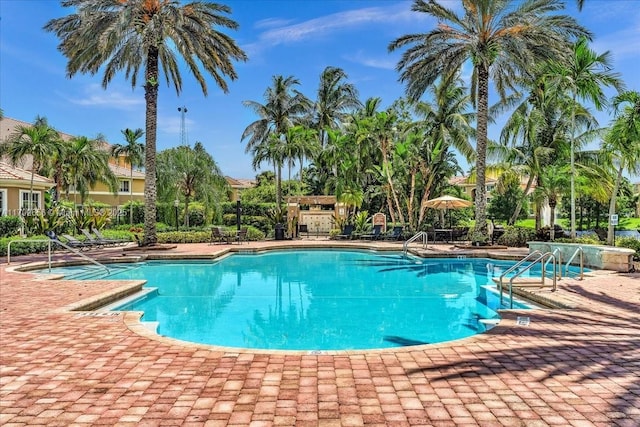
x,y
578,367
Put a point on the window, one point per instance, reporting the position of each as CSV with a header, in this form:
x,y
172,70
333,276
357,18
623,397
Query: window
x,y
3,202
124,186
24,200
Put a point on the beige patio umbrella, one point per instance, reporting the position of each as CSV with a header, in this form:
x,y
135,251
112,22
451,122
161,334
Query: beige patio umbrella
x,y
447,202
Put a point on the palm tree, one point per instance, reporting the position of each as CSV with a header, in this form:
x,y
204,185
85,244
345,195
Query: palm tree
x,y
37,143
552,185
501,38
583,74
622,144
86,164
142,35
284,108
133,153
192,173
335,100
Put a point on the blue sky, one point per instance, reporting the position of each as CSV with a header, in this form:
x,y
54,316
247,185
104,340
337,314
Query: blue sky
x,y
281,37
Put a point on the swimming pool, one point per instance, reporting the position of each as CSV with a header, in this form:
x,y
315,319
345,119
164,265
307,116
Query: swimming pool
x,y
317,299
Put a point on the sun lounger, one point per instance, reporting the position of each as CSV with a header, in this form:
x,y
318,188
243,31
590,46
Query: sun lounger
x,y
346,232
105,239
94,240
374,235
396,233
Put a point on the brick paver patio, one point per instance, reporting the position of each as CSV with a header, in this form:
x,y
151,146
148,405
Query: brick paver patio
x,y
578,367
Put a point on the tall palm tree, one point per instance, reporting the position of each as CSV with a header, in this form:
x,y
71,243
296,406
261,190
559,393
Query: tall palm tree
x,y
622,144
584,74
445,124
36,143
501,38
335,100
144,35
284,108
133,153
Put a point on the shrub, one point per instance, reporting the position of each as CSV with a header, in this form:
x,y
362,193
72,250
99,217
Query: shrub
x,y
10,225
516,237
631,243
22,247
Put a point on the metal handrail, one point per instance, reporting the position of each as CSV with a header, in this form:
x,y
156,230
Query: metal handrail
x,y
578,250
49,241
513,267
539,259
425,241
558,254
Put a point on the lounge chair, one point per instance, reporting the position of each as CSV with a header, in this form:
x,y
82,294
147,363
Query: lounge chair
x,y
346,232
396,233
74,243
94,239
374,235
114,241
218,236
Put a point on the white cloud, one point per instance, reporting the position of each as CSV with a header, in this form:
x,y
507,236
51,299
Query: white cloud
x,y
386,63
319,27
96,96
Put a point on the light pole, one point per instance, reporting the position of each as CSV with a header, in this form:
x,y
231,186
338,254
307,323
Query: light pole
x,y
176,203
238,211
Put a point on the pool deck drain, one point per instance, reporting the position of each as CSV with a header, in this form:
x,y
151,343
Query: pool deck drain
x,y
568,367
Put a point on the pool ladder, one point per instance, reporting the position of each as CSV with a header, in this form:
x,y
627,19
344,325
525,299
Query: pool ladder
x,y
420,234
49,250
534,258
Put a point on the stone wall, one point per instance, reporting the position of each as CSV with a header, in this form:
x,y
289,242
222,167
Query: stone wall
x,y
595,256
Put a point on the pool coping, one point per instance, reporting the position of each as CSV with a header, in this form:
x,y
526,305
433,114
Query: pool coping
x,y
133,320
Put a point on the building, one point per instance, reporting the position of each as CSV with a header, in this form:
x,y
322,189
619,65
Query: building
x,y
15,187
130,182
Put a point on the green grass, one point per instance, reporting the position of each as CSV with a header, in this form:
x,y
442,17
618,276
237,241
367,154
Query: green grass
x,y
623,224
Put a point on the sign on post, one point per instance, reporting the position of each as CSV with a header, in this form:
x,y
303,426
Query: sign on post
x,y
614,219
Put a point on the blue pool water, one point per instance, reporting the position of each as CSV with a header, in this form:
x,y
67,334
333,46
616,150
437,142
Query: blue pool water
x,y
317,299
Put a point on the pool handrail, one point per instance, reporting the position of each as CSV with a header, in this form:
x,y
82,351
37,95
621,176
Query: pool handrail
x,y
57,241
578,250
558,254
48,241
542,278
513,267
425,241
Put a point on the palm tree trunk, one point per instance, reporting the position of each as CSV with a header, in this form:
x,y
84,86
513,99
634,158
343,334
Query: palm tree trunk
x,y
516,212
612,207
279,186
131,198
573,167
481,148
150,190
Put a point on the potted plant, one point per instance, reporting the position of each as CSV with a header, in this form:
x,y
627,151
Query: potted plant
x,y
478,238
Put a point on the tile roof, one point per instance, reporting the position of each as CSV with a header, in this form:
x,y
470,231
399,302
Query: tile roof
x,y
12,173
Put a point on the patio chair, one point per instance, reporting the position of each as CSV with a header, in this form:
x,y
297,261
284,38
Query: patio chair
x,y
374,235
303,228
218,236
241,236
396,233
346,232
